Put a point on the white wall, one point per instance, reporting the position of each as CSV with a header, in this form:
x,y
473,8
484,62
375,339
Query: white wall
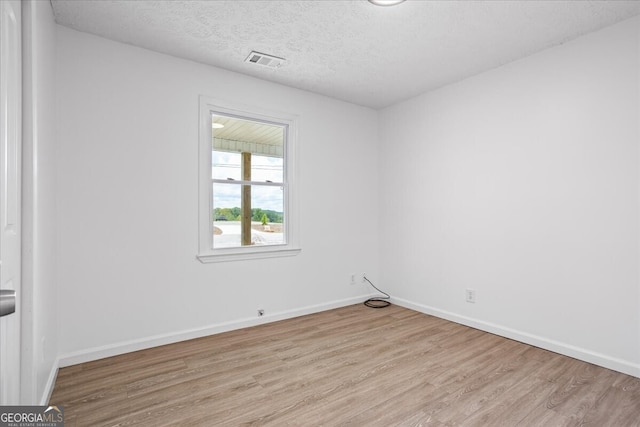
x,y
40,326
523,184
127,208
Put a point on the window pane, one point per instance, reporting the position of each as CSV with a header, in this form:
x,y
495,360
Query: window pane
x,y
225,165
267,215
267,205
226,215
265,168
264,142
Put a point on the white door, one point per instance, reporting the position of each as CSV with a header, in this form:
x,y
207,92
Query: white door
x,y
10,190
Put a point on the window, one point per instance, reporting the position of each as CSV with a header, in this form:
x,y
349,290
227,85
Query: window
x,y
247,183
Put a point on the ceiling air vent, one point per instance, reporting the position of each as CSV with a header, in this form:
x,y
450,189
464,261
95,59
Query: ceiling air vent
x,y
265,60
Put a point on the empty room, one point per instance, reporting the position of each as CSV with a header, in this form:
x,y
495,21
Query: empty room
x,y
357,212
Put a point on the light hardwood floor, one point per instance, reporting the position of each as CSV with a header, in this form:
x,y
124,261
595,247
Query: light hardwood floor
x,y
350,366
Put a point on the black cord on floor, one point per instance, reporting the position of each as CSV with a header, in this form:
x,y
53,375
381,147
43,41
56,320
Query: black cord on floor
x,y
377,302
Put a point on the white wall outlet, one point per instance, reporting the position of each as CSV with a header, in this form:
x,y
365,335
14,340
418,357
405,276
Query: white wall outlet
x,y
470,295
357,278
260,312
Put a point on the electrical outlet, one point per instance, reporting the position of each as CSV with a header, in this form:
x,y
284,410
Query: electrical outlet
x,y
470,295
357,278
260,312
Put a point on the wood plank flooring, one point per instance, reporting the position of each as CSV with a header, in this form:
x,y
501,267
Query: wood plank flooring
x,y
352,366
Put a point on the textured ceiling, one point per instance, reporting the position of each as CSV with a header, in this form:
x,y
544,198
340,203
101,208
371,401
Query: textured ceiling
x,y
350,50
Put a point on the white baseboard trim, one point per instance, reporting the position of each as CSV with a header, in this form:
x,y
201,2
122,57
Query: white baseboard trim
x,y
51,382
102,352
585,355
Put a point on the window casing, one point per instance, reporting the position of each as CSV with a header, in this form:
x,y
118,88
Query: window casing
x,y
239,171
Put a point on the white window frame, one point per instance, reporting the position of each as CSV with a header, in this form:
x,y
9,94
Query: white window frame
x,y
206,252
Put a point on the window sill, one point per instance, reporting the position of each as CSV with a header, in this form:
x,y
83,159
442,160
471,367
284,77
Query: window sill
x,y
243,254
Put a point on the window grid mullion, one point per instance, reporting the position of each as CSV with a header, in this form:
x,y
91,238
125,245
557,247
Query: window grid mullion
x,y
242,182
